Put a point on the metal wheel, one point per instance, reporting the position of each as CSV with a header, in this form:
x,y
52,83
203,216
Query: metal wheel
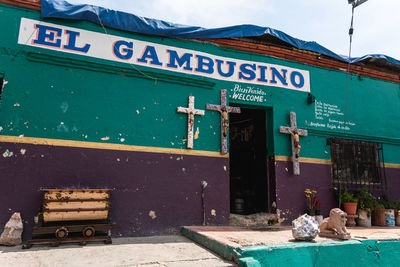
x,y
26,246
88,231
61,232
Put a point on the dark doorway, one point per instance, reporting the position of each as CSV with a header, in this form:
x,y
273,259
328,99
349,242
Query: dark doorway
x,y
248,162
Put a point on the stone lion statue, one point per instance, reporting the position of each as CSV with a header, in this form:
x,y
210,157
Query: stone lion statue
x,y
335,225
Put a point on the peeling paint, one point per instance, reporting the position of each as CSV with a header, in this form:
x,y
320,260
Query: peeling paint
x,y
105,138
137,111
122,140
213,212
62,127
196,135
286,169
20,136
16,105
152,214
224,168
1,128
118,159
64,107
8,154
22,151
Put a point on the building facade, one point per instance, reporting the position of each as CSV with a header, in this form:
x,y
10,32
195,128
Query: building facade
x,y
83,106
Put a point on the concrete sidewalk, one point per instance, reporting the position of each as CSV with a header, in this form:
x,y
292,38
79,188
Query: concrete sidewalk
x,y
140,251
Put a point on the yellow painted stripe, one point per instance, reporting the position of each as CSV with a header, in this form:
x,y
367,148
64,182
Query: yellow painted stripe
x,y
108,146
304,160
392,165
326,161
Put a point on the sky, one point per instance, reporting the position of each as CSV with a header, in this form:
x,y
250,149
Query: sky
x,y
376,22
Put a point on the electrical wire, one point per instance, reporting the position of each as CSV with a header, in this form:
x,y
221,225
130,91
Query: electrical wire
x,y
348,68
133,66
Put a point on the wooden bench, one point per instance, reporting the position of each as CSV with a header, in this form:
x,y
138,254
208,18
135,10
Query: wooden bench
x,y
73,215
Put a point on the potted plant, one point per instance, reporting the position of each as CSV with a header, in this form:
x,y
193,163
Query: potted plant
x,y
397,213
378,215
349,202
366,204
390,207
313,205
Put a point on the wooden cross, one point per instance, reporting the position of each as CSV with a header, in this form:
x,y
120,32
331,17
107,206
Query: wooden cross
x,y
301,132
191,111
224,110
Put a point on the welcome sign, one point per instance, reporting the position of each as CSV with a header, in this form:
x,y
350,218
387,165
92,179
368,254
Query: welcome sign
x,y
109,47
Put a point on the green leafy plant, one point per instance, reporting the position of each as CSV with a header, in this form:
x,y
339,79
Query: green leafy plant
x,y
346,197
379,205
366,201
387,203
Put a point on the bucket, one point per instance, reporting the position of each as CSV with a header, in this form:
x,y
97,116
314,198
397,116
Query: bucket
x,y
378,217
389,217
363,219
397,217
239,205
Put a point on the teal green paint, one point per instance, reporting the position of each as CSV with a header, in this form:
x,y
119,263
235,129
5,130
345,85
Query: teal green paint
x,y
65,96
334,253
225,251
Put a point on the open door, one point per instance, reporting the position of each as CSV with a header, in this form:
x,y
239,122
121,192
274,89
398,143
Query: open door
x,y
248,162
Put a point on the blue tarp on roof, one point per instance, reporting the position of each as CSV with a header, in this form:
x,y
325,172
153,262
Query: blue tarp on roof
x,y
130,22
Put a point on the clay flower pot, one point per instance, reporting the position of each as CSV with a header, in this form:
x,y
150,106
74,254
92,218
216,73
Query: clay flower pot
x,y
350,208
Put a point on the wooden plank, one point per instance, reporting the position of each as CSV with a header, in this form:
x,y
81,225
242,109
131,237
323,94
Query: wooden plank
x,y
76,205
75,216
300,132
67,195
224,111
191,112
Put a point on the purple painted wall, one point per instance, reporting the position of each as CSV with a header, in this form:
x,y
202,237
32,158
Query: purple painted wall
x,y
169,185
290,188
393,182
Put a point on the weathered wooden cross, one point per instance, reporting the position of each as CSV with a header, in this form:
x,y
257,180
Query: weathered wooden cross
x,y
224,110
300,132
191,111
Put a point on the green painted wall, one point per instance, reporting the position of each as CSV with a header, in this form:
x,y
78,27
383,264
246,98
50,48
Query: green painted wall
x,y
64,96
